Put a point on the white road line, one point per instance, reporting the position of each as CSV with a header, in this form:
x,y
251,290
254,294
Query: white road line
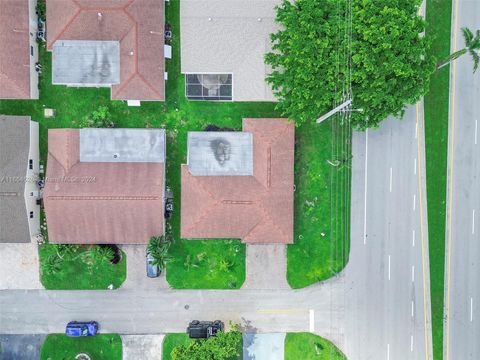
x,y
476,128
311,316
415,166
411,342
388,351
413,238
473,221
388,267
414,201
391,176
412,307
366,179
471,309
413,273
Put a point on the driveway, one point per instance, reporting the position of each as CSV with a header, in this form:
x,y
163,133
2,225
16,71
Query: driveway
x,y
264,346
19,268
136,270
137,347
24,347
266,267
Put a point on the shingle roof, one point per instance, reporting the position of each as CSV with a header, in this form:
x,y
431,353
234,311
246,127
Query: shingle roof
x,y
256,209
14,149
100,202
15,53
229,36
137,24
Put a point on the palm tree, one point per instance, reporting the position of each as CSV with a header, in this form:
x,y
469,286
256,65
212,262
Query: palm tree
x,y
158,247
472,46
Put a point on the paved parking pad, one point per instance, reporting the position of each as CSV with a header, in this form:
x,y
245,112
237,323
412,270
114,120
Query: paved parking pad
x,y
264,346
266,267
24,347
136,347
19,267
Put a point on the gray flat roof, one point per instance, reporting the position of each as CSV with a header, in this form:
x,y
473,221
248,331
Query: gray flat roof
x,y
229,37
220,153
14,149
86,63
122,145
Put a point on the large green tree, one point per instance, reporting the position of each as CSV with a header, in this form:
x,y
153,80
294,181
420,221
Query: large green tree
x,y
321,55
224,346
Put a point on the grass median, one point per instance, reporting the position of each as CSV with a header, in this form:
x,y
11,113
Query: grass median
x,y
439,13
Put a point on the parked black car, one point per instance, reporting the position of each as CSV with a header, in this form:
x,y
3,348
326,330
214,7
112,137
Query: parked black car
x,y
204,329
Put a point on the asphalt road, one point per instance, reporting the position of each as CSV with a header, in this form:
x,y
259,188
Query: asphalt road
x,y
462,290
387,312
366,311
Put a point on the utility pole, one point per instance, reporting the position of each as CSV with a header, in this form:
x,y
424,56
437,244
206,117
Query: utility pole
x,y
334,111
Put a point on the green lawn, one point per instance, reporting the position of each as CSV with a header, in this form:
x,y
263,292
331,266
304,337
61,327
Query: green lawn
x,y
322,203
171,341
207,264
307,346
439,14
98,347
79,274
322,191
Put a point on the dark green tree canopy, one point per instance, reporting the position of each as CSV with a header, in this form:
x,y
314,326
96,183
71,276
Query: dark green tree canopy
x,y
317,56
224,346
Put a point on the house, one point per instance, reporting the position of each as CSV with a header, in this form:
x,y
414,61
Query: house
x,y
104,43
223,45
105,186
240,184
18,33
19,169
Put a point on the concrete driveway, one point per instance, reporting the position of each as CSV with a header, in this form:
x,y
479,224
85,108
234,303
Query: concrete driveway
x,y
266,267
24,347
136,270
137,347
264,346
19,267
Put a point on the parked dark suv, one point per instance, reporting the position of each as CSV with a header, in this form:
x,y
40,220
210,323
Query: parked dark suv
x,y
204,329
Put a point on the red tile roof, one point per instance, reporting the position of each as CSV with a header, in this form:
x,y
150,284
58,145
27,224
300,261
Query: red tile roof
x,y
15,53
123,205
137,24
256,209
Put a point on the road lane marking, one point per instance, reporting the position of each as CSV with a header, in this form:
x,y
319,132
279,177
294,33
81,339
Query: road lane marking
x,y
413,273
366,179
476,128
473,221
391,175
450,195
388,267
388,351
413,238
471,309
412,308
414,201
422,238
312,320
411,342
415,166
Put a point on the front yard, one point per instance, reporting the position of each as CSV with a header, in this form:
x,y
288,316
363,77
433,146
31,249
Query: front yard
x,y
307,346
322,208
83,270
98,347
